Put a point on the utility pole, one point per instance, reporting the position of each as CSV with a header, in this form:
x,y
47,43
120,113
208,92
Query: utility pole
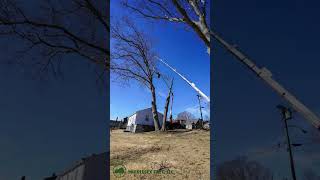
x,y
200,106
200,110
286,115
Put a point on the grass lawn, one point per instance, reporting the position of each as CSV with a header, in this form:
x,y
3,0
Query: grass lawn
x,y
186,153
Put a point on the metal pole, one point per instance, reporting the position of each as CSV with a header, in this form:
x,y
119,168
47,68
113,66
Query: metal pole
x,y
285,111
293,172
201,120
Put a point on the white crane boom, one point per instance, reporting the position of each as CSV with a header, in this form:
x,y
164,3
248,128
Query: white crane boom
x,y
190,83
266,75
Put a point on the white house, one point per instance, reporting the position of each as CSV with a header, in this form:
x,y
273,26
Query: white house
x,y
142,120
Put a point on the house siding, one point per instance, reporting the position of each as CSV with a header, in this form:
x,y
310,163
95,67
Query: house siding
x,y
141,120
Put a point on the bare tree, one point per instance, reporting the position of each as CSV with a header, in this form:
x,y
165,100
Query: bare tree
x,y
51,30
193,13
133,58
243,169
185,115
166,107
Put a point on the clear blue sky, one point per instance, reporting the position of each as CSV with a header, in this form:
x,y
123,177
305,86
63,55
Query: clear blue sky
x,y
284,37
47,126
181,49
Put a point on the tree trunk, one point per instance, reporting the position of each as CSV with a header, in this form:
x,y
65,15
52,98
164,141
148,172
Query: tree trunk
x,y
154,108
166,107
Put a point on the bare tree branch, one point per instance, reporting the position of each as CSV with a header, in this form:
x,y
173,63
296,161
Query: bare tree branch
x,y
185,115
164,13
193,13
58,29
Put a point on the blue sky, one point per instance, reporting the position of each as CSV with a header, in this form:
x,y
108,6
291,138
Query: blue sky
x,y
48,125
284,37
181,49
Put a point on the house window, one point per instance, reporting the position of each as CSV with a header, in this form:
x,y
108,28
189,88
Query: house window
x,y
147,118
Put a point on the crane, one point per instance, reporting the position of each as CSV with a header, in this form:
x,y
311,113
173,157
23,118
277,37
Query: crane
x,y
190,83
264,74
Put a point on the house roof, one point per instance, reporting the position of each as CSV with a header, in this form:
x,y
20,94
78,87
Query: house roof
x,y
81,162
143,110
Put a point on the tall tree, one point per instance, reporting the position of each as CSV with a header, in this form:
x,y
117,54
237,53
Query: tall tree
x,y
50,31
133,58
193,13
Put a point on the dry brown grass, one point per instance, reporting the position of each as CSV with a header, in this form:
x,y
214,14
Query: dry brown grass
x,y
186,153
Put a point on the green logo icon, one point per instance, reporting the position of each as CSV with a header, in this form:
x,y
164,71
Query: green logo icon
x,y
119,171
